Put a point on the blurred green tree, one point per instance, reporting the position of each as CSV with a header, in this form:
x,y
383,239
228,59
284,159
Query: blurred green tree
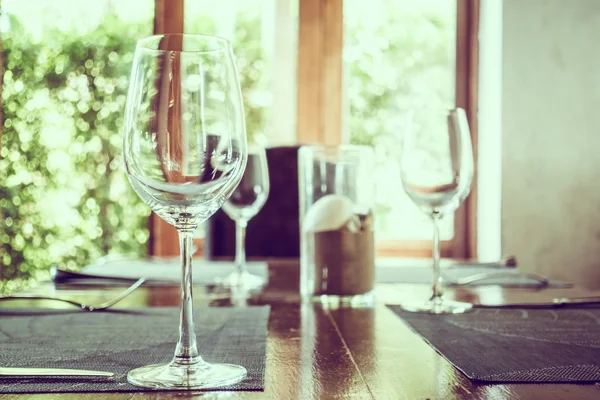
x,y
399,57
250,63
64,199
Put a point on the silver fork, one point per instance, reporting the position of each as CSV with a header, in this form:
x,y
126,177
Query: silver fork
x,y
87,307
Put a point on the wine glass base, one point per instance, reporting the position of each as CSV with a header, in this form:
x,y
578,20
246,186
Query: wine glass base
x,y
438,307
187,377
243,279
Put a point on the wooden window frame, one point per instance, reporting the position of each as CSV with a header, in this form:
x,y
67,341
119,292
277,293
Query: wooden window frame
x,y
164,240
320,107
467,89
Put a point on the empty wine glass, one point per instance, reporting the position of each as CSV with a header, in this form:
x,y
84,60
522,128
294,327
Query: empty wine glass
x,y
245,202
437,171
185,152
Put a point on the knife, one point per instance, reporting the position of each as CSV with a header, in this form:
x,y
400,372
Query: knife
x,y
41,372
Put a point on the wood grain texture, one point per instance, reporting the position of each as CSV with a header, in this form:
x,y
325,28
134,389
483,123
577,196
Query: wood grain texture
x,y
317,353
331,91
320,41
411,248
168,18
309,70
467,73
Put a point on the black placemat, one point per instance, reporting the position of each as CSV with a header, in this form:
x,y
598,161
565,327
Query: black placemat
x,y
515,345
118,341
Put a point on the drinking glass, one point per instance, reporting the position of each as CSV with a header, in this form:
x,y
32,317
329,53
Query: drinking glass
x,y
245,202
437,171
337,241
185,152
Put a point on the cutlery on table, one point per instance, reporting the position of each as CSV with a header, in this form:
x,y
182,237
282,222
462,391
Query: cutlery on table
x,y
467,280
120,257
87,307
50,372
58,275
505,262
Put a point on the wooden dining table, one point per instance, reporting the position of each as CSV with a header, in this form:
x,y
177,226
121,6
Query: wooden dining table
x,y
315,352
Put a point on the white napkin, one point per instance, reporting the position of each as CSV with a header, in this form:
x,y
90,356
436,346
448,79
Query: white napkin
x,y
203,272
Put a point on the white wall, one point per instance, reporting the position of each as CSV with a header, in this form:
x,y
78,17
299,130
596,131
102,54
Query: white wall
x,y
551,137
489,144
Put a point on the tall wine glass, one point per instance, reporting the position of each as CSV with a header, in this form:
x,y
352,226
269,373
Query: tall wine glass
x,y
437,171
245,202
185,152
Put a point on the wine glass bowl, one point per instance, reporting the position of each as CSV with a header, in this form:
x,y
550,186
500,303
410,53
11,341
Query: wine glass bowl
x,y
437,172
252,192
185,198
185,152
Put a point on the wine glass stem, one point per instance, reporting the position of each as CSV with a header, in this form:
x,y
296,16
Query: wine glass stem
x,y
240,245
186,352
438,289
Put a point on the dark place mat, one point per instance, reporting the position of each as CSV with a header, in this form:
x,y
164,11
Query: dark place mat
x,y
118,341
515,345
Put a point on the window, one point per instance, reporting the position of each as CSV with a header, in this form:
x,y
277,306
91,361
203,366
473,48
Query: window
x,y
349,89
327,71
264,39
396,53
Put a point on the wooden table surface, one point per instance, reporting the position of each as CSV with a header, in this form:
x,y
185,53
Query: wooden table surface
x,y
315,353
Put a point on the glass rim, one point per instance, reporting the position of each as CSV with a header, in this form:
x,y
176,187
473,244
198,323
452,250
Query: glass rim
x,y
223,44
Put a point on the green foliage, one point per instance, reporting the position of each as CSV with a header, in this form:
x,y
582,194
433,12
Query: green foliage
x,y
251,68
400,56
249,60
65,199
400,59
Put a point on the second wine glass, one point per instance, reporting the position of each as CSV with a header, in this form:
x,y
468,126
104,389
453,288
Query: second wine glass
x,y
245,202
437,171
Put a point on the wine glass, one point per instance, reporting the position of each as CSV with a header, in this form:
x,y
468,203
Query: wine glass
x,y
245,202
437,171
185,152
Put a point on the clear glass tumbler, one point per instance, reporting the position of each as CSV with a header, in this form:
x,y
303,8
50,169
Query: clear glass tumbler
x,y
337,249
